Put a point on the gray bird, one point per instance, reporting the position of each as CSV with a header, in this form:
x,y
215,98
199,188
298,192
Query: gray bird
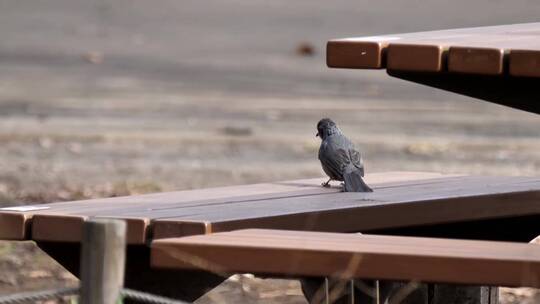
x,y
339,158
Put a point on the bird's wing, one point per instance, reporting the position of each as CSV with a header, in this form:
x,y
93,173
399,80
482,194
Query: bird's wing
x,y
333,160
356,159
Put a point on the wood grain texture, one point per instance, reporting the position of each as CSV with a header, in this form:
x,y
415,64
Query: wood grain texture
x,y
354,256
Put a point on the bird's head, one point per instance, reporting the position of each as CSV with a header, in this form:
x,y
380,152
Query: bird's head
x,y
326,127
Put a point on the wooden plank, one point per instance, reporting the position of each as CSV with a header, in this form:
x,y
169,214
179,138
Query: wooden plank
x,y
477,54
331,211
68,228
478,50
51,217
525,63
468,52
369,52
476,60
491,57
15,222
405,50
13,226
416,57
58,228
354,256
365,218
346,212
361,53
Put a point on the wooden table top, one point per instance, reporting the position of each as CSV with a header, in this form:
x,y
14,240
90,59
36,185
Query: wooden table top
x,y
400,199
353,256
480,50
499,64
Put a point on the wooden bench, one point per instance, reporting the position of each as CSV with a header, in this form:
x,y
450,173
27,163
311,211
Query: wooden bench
x,y
500,64
353,256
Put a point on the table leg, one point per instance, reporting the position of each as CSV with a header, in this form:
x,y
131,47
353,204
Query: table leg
x,y
446,294
183,285
382,292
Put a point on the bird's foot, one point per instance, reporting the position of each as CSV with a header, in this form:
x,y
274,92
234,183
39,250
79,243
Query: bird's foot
x,y
326,185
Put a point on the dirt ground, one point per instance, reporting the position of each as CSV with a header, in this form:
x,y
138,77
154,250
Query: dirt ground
x,y
107,98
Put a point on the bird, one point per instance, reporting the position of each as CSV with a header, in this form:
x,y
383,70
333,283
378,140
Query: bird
x,y
339,158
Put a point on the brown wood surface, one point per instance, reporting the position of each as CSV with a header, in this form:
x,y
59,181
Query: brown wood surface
x,y
475,52
524,62
416,57
481,50
354,256
57,216
355,54
400,199
369,52
484,61
14,226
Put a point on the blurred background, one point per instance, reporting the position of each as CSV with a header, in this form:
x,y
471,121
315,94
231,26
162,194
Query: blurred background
x,y
114,97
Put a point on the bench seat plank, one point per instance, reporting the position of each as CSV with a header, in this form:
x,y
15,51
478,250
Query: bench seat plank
x,y
300,253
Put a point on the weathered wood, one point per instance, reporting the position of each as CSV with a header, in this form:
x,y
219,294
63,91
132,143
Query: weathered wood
x,y
354,256
102,261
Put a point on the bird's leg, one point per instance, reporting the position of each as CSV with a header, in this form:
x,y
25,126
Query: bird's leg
x,y
327,184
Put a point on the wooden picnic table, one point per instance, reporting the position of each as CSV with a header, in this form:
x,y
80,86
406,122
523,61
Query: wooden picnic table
x,y
500,64
408,203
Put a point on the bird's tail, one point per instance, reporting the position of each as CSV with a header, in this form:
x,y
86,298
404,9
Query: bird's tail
x,y
353,180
